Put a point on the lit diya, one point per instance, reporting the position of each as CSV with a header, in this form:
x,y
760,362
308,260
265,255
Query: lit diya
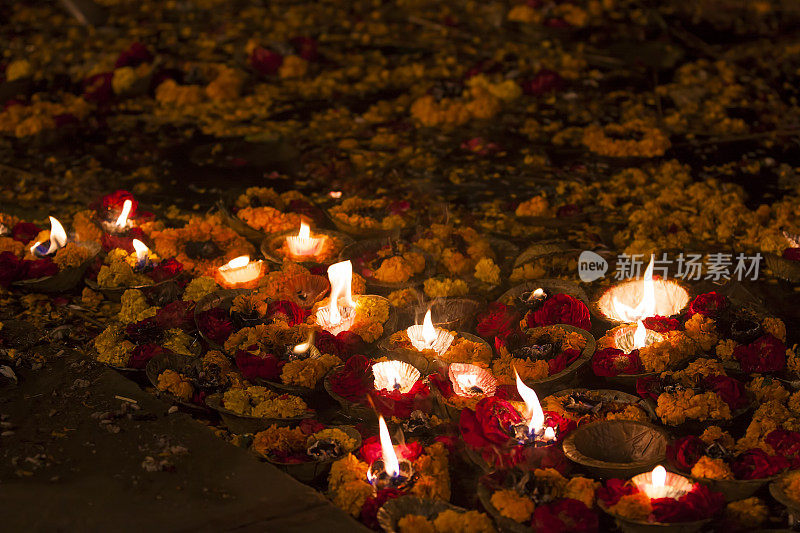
x,y
122,223
465,386
532,433
366,315
389,472
424,344
636,300
240,271
305,246
57,240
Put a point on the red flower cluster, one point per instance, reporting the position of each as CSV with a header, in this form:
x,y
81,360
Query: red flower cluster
x,y
167,269
613,362
25,232
729,389
342,345
354,381
685,452
565,516
135,55
215,324
257,367
752,464
708,304
177,314
758,464
499,321
613,490
661,324
765,354
293,312
110,205
561,309
14,269
563,360
396,404
371,450
697,504
786,444
142,354
265,61
792,254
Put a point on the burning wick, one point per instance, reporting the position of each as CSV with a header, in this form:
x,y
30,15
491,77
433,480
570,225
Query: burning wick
x,y
536,296
388,471
142,253
629,339
334,319
58,239
122,221
655,484
471,381
427,337
534,431
335,194
395,375
302,349
303,244
647,305
240,270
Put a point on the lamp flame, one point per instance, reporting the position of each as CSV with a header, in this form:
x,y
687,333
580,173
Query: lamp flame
x,y
302,348
238,262
647,305
141,249
58,238
305,231
303,244
341,278
659,476
390,463
428,331
122,220
240,270
532,405
640,336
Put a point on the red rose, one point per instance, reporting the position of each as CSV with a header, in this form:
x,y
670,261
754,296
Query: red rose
x,y
110,206
396,404
765,354
500,320
729,389
648,387
135,55
786,444
254,366
561,309
165,270
668,510
701,502
265,61
613,490
342,345
11,268
24,232
145,331
565,516
613,362
708,304
685,452
309,426
371,450
442,384
216,324
661,324
491,426
545,81
39,268
124,242
293,312
563,360
757,464
143,353
355,380
793,254
177,314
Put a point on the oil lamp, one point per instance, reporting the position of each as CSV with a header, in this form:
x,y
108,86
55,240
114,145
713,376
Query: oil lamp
x,y
395,375
427,337
388,471
58,239
471,381
142,253
533,432
662,484
240,270
303,244
635,300
340,313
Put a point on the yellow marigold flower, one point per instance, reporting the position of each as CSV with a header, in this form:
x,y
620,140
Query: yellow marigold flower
x,y
176,384
676,408
337,435
111,349
633,506
709,468
716,434
404,298
18,69
293,67
227,85
7,244
277,439
135,307
775,327
72,256
435,288
698,369
725,349
90,299
394,270
702,330
199,288
524,13
169,93
794,403
604,140
538,206
308,372
750,513
765,389
581,489
348,485
470,522
791,485
123,79
178,341
487,271
512,505
413,523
